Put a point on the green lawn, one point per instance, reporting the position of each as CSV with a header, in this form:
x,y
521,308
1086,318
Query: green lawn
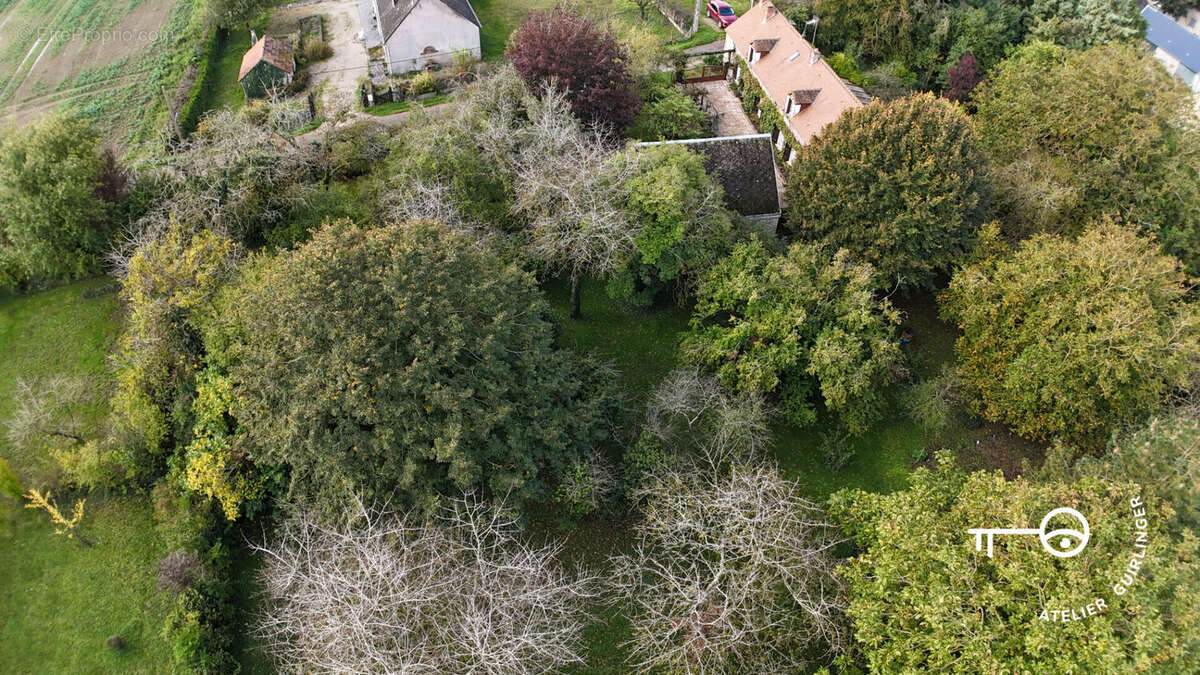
x,y
403,106
640,343
501,17
61,601
54,332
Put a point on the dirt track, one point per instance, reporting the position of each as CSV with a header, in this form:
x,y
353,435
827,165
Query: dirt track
x,y
339,73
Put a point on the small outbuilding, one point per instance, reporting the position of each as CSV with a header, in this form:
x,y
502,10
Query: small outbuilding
x,y
268,65
744,166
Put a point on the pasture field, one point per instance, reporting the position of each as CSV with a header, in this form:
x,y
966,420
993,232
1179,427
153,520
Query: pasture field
x,y
108,59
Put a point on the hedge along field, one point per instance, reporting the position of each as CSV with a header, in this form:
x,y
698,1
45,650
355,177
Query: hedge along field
x,y
109,60
60,601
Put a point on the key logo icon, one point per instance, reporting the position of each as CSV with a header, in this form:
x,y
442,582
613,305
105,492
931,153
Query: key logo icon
x,y
1057,543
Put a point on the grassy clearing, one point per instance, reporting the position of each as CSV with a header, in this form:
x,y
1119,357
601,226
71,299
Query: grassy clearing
x,y
222,89
49,333
403,106
501,17
61,601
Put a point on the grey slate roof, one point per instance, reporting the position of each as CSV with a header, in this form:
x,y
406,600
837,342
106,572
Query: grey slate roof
x,y
745,168
1164,33
392,13
859,93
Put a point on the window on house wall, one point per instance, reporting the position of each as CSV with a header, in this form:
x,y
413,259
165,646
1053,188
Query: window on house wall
x,y
787,154
789,107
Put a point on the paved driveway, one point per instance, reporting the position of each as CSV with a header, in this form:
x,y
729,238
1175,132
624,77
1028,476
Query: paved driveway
x,y
731,116
340,72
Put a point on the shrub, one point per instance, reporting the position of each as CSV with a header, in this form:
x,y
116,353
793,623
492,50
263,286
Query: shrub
x,y
180,571
935,403
585,487
846,66
55,225
422,83
837,448
669,115
962,78
215,466
182,521
316,50
10,485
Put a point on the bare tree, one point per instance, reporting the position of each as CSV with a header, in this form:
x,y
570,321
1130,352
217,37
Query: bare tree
x,y
569,187
732,571
691,411
455,593
235,171
49,409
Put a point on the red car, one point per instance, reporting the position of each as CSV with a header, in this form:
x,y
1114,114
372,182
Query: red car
x,y
721,12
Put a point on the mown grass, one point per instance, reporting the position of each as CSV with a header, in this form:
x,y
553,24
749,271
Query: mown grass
x,y
55,332
61,601
403,106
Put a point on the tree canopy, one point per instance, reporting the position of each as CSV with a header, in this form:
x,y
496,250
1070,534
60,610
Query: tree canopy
x,y
54,219
923,599
682,225
803,327
900,185
1075,134
1073,338
405,361
581,58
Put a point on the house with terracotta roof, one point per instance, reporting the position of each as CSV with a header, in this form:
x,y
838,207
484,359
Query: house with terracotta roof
x,y
772,61
416,33
268,65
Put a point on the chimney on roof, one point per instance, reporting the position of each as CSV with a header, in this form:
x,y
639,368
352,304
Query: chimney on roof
x,y
816,56
771,12
253,37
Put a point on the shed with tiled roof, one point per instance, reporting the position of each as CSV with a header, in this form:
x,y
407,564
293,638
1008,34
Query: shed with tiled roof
x,y
267,66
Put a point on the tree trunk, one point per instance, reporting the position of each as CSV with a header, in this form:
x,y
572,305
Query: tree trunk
x,y
695,19
87,543
576,311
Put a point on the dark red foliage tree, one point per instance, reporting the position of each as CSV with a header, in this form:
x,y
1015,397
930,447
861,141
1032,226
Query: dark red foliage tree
x,y
583,59
962,78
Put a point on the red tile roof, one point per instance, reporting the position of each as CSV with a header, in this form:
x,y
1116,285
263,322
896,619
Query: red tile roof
x,y
275,52
791,67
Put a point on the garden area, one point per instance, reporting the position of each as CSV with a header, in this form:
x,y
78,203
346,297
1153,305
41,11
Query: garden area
x,y
499,389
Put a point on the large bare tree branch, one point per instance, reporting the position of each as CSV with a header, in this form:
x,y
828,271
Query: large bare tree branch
x,y
455,593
